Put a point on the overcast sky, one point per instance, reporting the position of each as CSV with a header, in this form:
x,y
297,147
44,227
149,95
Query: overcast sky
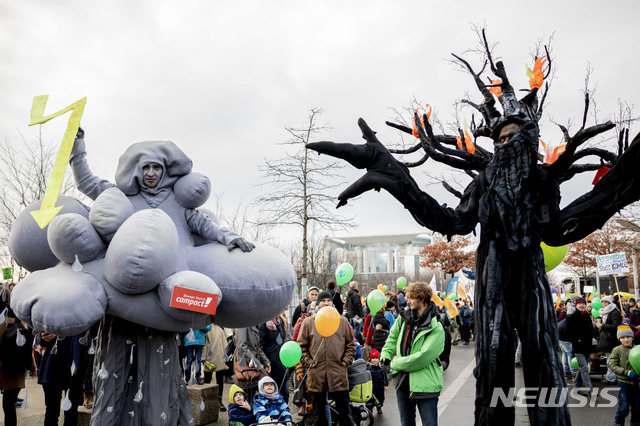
x,y
224,79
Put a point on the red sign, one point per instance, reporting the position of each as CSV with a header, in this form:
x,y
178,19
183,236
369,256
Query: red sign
x,y
194,300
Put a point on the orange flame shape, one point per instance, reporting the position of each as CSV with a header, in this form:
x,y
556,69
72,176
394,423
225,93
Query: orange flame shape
x,y
468,142
536,77
496,90
551,153
415,129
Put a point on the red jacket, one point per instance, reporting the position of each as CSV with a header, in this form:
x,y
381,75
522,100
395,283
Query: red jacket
x,y
367,331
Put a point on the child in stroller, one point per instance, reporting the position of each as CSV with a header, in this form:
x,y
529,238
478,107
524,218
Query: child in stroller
x,y
360,391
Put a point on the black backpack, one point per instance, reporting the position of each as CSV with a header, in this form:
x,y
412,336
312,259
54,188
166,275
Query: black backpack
x,y
446,352
14,357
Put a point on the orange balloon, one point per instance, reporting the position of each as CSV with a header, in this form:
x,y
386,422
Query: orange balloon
x,y
327,321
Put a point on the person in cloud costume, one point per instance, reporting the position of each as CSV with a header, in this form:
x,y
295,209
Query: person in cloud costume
x,y
120,261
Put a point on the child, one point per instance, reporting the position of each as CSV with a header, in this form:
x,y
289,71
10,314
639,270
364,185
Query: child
x,y
194,343
629,393
268,404
380,381
239,408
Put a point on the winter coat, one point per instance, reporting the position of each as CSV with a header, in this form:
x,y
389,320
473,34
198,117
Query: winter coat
x,y
300,309
379,377
247,341
634,323
390,317
367,331
56,368
215,343
619,364
239,414
13,379
337,301
271,341
354,304
607,338
402,301
381,333
327,364
422,362
579,331
199,337
275,409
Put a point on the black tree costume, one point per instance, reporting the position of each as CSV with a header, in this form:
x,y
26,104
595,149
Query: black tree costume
x,y
516,201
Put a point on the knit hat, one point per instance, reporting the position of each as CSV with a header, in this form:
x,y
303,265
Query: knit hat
x,y
233,390
626,321
624,331
632,300
580,300
607,299
324,295
374,354
390,304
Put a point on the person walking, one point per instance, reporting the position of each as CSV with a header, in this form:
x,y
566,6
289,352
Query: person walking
x,y
417,340
607,340
213,359
61,363
355,312
628,390
579,331
14,361
273,334
327,359
194,343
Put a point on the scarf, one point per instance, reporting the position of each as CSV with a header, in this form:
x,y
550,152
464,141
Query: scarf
x,y
604,312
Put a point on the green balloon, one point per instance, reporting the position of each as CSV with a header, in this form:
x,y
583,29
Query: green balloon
x,y
453,296
376,301
344,273
574,362
596,303
290,354
595,313
553,256
634,358
385,288
401,283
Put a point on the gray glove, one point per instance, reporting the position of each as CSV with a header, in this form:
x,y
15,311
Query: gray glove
x,y
242,244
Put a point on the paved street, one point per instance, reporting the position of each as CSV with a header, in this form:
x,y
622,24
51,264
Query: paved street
x,y
455,407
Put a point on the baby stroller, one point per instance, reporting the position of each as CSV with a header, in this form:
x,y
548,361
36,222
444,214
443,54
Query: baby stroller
x,y
360,391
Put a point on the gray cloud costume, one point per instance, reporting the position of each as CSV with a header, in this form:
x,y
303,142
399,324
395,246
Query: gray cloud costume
x,y
130,250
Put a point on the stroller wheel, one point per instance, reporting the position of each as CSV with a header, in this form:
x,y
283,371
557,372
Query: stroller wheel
x,y
364,417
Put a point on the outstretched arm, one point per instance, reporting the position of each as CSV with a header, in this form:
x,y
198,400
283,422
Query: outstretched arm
x,y
86,182
384,171
202,225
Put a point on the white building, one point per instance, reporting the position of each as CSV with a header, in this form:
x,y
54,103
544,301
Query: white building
x,y
378,255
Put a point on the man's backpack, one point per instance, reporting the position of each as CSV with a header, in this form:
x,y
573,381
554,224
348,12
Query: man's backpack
x,y
16,357
446,352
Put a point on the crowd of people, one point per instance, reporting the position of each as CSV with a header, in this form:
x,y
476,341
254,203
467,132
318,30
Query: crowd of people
x,y
408,331
614,326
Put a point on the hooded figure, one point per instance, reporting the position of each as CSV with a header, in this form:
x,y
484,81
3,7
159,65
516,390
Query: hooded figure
x,y
268,404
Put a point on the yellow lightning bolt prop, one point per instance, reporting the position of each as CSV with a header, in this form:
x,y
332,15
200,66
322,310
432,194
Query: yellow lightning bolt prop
x,y
48,209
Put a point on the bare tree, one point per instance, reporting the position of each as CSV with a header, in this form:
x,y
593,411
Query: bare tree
x,y
241,218
612,238
23,180
299,187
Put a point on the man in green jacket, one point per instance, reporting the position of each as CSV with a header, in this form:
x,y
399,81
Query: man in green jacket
x,y
417,340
